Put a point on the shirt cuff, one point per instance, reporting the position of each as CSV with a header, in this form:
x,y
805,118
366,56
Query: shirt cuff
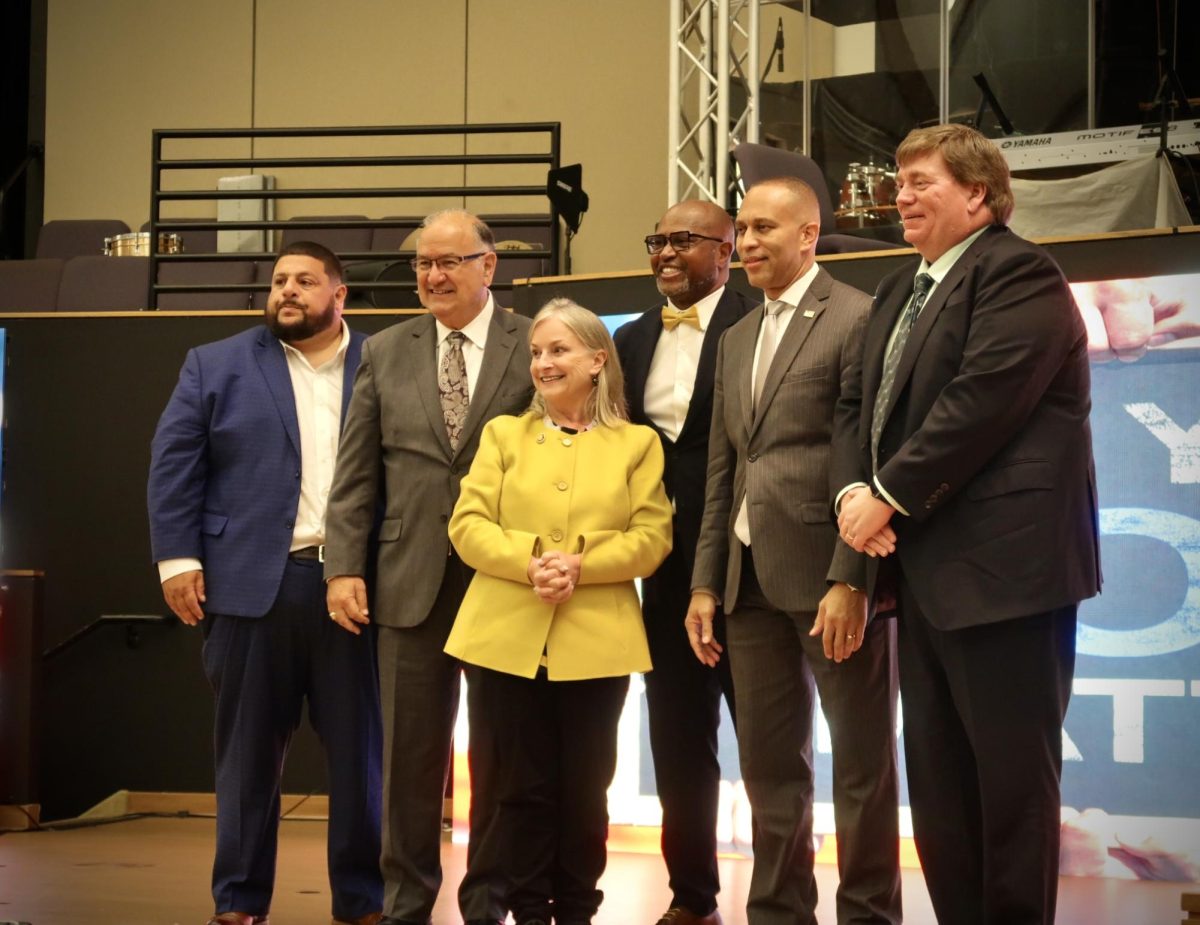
x,y
888,498
837,502
169,568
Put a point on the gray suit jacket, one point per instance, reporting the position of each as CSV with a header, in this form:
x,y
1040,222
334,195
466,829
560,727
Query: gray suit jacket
x,y
779,458
394,449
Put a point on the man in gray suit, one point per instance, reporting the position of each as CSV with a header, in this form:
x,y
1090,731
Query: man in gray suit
x,y
423,392
769,553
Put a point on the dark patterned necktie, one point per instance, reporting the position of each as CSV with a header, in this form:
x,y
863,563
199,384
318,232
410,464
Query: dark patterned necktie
x,y
452,386
921,287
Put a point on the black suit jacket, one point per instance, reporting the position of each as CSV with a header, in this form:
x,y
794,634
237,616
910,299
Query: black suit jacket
x,y
686,458
987,443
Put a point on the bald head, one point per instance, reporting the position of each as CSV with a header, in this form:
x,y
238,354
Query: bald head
x,y
688,274
777,228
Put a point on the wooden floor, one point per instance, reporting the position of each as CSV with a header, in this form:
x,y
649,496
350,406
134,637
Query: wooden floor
x,y
156,871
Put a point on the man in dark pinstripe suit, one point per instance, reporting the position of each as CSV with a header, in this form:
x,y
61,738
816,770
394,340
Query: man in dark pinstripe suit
x,y
770,554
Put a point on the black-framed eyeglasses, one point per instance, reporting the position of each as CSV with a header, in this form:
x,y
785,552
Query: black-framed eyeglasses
x,y
679,240
447,264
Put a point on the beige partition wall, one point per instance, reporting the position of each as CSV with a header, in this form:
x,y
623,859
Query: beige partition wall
x,y
118,69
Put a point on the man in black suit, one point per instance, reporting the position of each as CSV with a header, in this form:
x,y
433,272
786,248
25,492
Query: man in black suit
x,y
973,444
668,355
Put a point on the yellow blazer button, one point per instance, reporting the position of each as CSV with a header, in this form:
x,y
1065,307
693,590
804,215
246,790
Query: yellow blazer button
x,y
561,486
566,441
556,535
541,438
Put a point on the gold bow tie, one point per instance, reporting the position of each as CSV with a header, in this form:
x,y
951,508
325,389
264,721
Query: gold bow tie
x,y
672,319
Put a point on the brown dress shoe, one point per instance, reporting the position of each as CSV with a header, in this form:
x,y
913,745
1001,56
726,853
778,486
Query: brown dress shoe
x,y
371,918
678,915
238,918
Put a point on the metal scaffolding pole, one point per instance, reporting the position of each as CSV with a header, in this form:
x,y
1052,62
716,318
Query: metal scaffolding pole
x,y
713,56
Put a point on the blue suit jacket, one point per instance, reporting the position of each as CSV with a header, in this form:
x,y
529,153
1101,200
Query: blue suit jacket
x,y
225,468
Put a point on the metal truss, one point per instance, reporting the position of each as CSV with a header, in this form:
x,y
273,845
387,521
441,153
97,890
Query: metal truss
x,y
714,47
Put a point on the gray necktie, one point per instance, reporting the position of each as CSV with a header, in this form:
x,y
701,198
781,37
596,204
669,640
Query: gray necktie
x,y
766,353
921,287
452,386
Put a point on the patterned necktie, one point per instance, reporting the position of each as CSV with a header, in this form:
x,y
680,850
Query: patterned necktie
x,y
671,319
452,386
921,287
766,353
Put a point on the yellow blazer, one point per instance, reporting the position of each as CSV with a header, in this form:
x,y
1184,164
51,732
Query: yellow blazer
x,y
532,487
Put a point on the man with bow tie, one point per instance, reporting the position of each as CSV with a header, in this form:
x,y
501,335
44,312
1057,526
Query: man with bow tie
x,y
668,355
797,620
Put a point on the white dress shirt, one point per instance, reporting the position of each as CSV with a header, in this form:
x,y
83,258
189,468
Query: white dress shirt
x,y
672,375
790,298
475,335
318,395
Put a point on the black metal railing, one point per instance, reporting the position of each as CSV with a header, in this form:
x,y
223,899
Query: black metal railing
x,y
543,149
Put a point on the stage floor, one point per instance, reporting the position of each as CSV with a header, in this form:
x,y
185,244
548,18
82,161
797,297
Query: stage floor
x,y
155,871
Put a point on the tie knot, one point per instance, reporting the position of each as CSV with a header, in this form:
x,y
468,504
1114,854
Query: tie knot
x,y
922,285
775,306
456,338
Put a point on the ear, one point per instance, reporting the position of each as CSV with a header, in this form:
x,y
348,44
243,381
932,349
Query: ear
x,y
724,253
598,361
812,230
489,267
976,196
339,296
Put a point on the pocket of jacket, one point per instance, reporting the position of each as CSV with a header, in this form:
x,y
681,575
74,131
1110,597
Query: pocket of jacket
x,y
389,529
801,375
213,524
1026,475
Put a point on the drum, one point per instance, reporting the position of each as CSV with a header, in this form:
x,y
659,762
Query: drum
x,y
137,244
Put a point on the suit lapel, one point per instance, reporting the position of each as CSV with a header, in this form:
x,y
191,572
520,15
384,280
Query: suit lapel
x,y
641,354
806,314
740,351
502,340
725,314
353,355
273,365
423,363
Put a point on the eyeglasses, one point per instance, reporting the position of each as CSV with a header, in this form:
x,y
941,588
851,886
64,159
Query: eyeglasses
x,y
680,241
447,264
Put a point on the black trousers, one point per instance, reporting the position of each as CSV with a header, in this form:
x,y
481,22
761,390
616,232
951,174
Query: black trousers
x,y
262,671
556,742
683,699
983,715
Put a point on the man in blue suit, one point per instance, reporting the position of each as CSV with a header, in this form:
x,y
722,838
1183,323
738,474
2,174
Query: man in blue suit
x,y
242,461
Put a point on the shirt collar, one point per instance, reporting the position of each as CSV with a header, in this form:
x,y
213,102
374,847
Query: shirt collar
x,y
795,292
476,329
940,267
704,308
343,344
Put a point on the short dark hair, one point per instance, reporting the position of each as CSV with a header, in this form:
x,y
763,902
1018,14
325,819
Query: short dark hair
x,y
333,266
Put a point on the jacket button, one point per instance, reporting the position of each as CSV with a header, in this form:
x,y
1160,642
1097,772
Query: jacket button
x,y
541,438
566,441
753,457
561,486
944,487
556,535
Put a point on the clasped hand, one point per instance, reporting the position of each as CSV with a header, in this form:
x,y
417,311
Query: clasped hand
x,y
863,523
554,576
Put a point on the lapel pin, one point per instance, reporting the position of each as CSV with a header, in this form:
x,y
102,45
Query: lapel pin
x,y
808,313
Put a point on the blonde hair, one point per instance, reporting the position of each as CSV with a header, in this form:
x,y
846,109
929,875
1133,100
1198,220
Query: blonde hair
x,y
971,158
606,403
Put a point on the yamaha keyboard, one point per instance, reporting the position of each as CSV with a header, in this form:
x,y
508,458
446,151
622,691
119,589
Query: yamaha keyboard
x,y
1096,146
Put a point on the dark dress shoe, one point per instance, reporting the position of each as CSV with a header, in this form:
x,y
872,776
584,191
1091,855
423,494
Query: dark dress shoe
x,y
678,915
238,918
371,918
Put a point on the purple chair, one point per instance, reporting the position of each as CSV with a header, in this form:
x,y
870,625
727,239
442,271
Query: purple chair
x,y
68,238
30,285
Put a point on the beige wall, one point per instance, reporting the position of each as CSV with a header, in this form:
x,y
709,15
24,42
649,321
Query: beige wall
x,y
120,68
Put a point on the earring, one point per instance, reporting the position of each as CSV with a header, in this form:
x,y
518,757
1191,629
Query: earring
x,y
595,380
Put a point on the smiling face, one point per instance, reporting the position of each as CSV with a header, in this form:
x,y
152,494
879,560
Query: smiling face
x,y
685,277
937,211
562,367
456,297
304,301
777,230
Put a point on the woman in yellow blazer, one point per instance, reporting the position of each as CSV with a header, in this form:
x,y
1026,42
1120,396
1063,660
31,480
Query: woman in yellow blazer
x,y
562,509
